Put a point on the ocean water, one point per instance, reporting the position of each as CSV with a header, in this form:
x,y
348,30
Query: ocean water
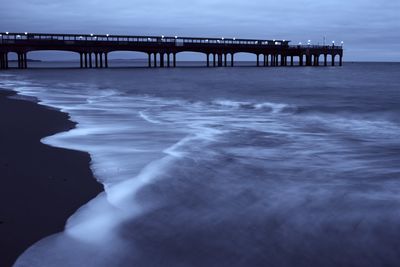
x,y
228,166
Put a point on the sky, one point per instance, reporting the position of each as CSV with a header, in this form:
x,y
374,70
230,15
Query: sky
x,y
369,29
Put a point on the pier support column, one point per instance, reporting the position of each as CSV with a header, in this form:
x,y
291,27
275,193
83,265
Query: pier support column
x,y
25,60
162,60
325,60
86,60
168,60
2,61
333,60
174,60
301,58
20,60
232,59
90,60
96,60
225,60
257,60
291,61
6,59
81,60
214,59
149,60
309,60
101,59
208,60
341,60
277,60
106,60
220,60
155,60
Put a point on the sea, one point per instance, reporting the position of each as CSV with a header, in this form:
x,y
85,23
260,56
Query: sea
x,y
243,166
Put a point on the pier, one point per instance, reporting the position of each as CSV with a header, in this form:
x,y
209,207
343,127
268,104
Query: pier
x,y
93,49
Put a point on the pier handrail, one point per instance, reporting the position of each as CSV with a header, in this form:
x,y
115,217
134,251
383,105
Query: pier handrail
x,y
137,39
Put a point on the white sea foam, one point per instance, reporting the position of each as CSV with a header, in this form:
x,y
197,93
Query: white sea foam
x,y
143,115
266,106
124,158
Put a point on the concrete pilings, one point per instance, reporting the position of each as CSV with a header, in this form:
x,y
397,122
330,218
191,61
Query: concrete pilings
x,y
99,59
162,59
93,60
3,60
22,60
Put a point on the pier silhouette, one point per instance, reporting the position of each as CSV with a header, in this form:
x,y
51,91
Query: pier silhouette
x,y
161,51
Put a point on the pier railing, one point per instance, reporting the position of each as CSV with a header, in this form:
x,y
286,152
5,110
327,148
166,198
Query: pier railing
x,y
7,37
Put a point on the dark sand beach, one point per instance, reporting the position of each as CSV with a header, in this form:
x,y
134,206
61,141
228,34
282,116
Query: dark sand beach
x,y
41,186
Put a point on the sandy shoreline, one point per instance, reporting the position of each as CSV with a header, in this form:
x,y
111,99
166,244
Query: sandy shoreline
x,y
41,186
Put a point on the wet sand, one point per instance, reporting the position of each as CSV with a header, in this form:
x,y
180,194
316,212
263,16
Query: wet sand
x,y
41,186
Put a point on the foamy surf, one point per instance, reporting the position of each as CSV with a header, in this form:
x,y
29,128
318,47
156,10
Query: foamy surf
x,y
199,172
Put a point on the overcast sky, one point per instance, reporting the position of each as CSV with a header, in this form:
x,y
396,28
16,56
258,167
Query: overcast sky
x,y
370,29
